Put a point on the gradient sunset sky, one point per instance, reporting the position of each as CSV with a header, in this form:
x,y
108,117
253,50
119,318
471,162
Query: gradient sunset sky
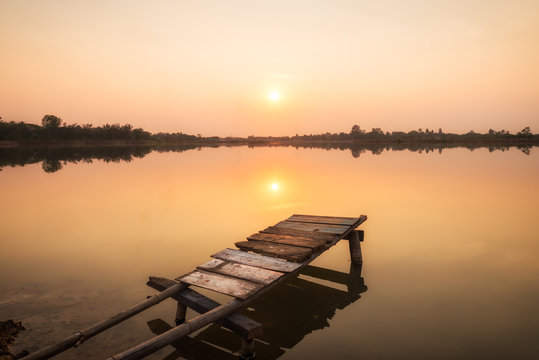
x,y
209,67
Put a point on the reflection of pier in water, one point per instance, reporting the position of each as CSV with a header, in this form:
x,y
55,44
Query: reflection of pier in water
x,y
288,313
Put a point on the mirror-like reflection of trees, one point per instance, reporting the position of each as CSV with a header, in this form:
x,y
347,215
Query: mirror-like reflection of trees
x,y
289,312
55,158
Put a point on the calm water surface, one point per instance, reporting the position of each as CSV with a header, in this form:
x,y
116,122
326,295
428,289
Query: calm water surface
x,y
450,268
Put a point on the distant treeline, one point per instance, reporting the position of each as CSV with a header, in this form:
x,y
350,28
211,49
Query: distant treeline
x,y
54,130
420,135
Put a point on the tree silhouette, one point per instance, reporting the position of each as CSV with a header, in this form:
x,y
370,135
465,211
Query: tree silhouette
x,y
51,121
50,166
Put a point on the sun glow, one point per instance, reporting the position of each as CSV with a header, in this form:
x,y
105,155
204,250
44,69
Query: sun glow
x,y
274,186
274,95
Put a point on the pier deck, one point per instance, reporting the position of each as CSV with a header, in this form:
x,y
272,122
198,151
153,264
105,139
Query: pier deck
x,y
264,260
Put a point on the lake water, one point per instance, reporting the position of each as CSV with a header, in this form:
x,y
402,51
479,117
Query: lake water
x,y
451,251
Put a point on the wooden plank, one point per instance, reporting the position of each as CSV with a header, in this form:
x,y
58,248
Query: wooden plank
x,y
227,285
334,220
265,262
315,244
240,271
330,229
302,233
287,252
238,323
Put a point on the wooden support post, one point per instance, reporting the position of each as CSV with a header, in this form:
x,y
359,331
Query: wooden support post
x,y
181,310
355,284
247,349
354,241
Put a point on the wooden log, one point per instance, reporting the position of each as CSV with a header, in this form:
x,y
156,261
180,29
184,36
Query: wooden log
x,y
287,252
354,243
221,283
241,271
160,341
261,261
82,335
356,283
333,220
181,310
314,244
238,323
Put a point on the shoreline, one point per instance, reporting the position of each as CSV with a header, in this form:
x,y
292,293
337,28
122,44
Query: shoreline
x,y
479,142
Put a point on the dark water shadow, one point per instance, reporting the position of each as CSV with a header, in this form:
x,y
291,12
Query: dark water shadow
x,y
288,313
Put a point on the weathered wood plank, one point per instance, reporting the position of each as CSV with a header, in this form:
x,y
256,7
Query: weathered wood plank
x,y
240,324
315,244
261,261
302,233
334,220
227,285
287,252
325,228
241,271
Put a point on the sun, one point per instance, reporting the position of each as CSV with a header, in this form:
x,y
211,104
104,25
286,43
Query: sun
x,y
274,186
274,95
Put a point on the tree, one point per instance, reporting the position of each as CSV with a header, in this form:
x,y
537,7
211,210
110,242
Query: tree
x,y
51,121
356,130
525,132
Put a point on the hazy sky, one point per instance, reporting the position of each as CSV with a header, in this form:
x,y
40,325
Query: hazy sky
x,y
208,67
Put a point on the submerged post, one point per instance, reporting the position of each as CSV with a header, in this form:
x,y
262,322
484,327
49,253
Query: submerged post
x,y
354,241
181,310
247,349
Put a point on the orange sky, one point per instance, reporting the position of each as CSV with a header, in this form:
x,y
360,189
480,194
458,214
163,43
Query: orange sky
x,y
208,66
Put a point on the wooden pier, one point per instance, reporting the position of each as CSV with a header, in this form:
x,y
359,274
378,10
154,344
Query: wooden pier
x,y
268,258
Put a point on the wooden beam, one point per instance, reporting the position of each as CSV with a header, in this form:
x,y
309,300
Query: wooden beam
x,y
240,324
354,243
82,335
